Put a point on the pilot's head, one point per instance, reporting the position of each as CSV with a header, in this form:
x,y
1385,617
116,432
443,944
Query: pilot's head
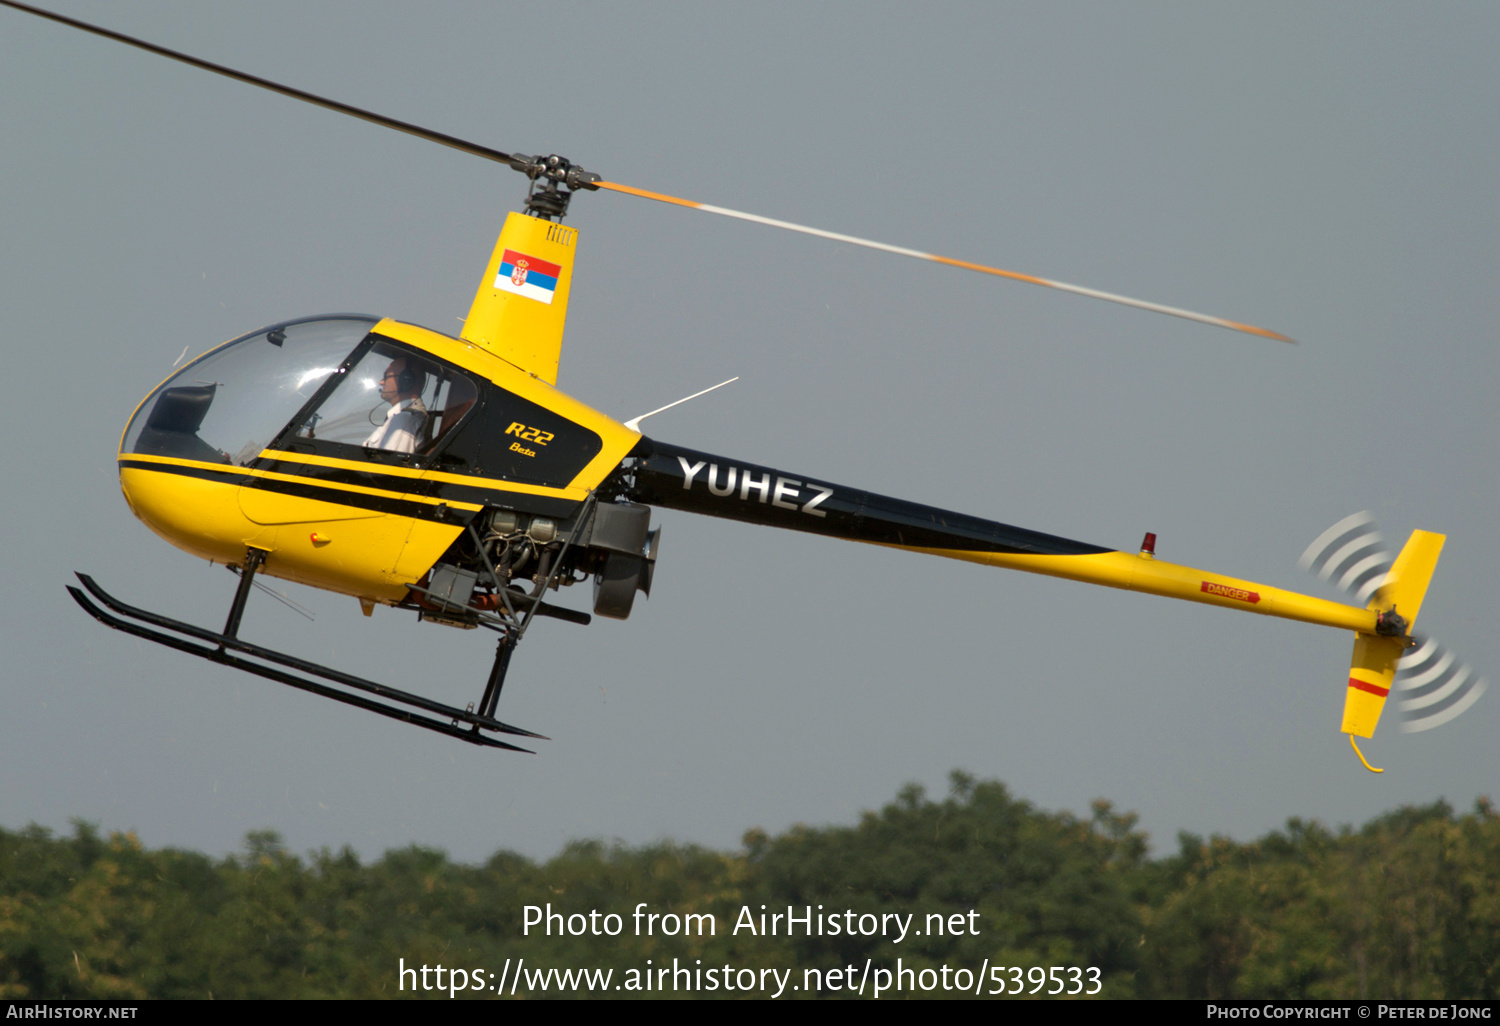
x,y
403,380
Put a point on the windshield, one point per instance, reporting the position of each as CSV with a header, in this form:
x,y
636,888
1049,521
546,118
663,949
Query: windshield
x,y
225,407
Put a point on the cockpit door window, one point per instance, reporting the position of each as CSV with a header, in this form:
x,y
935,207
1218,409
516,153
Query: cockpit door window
x,y
388,404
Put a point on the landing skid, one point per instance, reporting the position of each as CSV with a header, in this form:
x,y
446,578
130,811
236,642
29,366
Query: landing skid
x,y
464,724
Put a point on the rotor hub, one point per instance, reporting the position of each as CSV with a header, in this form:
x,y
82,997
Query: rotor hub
x,y
554,179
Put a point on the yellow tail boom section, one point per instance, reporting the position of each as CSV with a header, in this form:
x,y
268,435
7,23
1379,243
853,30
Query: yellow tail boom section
x,y
522,303
1145,573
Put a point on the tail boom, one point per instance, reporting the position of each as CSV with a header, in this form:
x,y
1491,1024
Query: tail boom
x,y
677,478
1392,591
1144,573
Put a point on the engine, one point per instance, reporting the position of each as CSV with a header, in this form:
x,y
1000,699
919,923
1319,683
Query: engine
x,y
507,561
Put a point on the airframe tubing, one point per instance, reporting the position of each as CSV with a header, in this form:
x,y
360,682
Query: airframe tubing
x,y
678,478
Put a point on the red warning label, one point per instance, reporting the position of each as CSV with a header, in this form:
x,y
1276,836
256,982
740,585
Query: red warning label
x,y
1225,591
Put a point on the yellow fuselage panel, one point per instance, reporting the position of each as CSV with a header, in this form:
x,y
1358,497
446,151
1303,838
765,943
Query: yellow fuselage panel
x,y
521,306
267,507
200,515
348,550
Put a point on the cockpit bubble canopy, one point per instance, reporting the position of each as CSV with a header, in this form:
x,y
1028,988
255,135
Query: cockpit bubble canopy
x,y
227,405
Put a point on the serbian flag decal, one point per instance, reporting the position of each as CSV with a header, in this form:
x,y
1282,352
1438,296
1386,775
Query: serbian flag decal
x,y
527,276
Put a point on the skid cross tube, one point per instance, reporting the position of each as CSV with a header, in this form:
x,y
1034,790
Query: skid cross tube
x,y
220,654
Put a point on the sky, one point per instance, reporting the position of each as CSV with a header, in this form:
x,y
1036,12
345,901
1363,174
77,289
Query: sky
x,y
1327,171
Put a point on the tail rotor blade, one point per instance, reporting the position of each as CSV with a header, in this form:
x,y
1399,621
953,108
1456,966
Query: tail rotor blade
x,y
1434,686
1352,556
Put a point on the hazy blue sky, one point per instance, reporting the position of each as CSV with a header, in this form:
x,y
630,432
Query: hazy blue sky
x,y
1326,170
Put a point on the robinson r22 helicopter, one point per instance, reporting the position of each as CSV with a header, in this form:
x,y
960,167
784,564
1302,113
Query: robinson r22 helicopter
x,y
448,476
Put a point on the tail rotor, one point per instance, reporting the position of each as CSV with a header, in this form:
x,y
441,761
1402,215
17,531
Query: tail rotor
x,y
1433,686
1351,555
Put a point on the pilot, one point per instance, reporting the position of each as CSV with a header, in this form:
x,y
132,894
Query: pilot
x,y
406,417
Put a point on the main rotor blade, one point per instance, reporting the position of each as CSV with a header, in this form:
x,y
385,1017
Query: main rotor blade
x,y
1139,304
578,178
297,94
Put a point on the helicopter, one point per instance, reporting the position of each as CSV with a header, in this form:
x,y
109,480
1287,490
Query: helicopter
x,y
510,490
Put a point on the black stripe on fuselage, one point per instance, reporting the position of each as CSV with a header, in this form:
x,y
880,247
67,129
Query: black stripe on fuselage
x,y
309,489
699,482
446,491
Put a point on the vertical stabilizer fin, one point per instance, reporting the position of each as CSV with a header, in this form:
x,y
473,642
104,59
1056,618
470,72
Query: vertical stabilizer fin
x,y
1406,585
522,302
1371,672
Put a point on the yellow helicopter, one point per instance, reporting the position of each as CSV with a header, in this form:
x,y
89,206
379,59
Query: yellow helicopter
x,y
450,477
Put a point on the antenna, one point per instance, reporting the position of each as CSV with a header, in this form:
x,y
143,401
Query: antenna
x,y
635,424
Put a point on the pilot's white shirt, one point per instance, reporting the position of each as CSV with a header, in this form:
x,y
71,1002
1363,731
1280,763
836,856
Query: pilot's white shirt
x,y
401,429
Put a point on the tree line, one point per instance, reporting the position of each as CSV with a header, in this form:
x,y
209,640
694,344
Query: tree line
x,y
1406,906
